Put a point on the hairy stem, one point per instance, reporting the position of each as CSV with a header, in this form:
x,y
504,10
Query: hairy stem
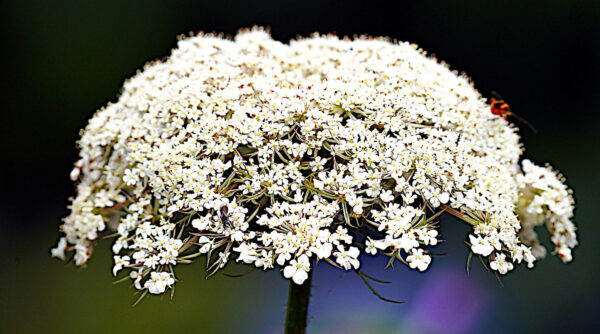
x,y
297,307
459,215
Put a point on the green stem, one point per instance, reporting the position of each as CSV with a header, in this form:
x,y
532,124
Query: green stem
x,y
297,308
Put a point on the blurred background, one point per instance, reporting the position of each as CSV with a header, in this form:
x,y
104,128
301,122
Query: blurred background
x,y
65,59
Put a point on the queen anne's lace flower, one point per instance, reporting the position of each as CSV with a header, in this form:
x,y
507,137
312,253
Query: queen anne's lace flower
x,y
418,260
273,154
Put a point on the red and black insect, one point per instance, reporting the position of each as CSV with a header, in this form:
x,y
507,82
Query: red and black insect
x,y
500,108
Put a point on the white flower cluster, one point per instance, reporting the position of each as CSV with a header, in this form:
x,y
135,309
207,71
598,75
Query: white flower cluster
x,y
276,154
545,199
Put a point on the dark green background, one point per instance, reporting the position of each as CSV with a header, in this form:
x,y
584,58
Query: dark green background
x,y
64,59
